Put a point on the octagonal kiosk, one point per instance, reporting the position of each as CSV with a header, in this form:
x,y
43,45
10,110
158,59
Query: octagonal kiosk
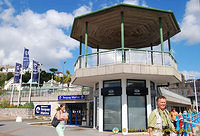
x,y
122,65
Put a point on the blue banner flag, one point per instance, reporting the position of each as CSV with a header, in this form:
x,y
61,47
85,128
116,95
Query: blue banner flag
x,y
26,59
35,71
17,72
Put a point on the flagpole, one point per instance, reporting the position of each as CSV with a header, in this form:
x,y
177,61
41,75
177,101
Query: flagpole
x,y
11,97
39,70
20,83
31,83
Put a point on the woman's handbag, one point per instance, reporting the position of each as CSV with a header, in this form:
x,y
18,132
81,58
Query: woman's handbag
x,y
55,121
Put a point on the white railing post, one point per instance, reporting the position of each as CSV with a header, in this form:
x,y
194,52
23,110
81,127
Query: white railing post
x,y
99,59
163,58
115,52
129,56
146,56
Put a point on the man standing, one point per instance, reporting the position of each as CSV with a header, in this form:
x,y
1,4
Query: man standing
x,y
159,122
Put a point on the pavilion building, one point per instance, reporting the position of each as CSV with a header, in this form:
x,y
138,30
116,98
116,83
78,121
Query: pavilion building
x,y
128,64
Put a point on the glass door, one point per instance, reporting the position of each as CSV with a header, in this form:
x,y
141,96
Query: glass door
x,y
137,112
75,116
112,112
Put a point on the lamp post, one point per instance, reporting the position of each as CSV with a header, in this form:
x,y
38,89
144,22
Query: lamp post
x,y
195,93
63,74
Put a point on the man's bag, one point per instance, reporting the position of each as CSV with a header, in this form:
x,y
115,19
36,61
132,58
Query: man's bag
x,y
55,121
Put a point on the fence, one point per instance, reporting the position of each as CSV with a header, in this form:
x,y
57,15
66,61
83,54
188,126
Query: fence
x,y
41,92
187,122
131,56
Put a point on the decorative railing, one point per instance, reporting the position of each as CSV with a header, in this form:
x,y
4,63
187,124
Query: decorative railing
x,y
187,123
131,56
51,91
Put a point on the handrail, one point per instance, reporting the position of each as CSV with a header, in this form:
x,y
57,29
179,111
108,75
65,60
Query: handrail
x,y
189,121
121,49
169,58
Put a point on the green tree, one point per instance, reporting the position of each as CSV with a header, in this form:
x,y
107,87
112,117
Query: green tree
x,y
44,76
58,79
1,69
26,77
67,78
53,70
9,76
2,80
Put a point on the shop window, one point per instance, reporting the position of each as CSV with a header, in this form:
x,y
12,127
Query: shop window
x,y
97,113
111,92
112,112
137,112
112,83
91,114
97,105
137,118
136,83
96,89
153,95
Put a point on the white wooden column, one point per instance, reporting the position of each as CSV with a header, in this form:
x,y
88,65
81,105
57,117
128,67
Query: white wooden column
x,y
148,98
124,108
100,107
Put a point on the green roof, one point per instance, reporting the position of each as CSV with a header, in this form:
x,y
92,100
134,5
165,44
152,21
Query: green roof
x,y
141,26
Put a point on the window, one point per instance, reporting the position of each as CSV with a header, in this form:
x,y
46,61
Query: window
x,y
153,95
97,113
112,106
136,112
96,89
97,105
136,83
112,112
136,106
112,83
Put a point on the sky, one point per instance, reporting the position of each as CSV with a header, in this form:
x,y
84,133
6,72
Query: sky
x,y
44,27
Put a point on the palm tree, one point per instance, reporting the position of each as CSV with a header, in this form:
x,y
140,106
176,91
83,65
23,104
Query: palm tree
x,y
53,70
67,78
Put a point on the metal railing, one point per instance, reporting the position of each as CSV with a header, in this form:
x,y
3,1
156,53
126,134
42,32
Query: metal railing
x,y
187,123
41,92
132,56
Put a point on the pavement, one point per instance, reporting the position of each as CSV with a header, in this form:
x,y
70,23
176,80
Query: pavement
x,y
33,127
12,128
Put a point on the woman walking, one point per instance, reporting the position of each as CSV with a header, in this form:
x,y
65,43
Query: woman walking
x,y
63,117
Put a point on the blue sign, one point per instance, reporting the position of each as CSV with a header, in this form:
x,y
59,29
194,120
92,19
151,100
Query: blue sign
x,y
26,59
35,71
44,110
70,97
17,72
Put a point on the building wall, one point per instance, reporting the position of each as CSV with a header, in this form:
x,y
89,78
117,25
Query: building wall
x,y
18,112
124,109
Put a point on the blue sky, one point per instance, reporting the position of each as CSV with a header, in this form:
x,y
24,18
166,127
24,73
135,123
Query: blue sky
x,y
44,27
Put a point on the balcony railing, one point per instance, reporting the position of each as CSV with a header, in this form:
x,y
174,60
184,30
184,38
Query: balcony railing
x,y
131,56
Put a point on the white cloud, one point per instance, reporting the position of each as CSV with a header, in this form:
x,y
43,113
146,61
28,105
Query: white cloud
x,y
83,10
191,74
190,25
43,34
136,2
144,4
133,2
